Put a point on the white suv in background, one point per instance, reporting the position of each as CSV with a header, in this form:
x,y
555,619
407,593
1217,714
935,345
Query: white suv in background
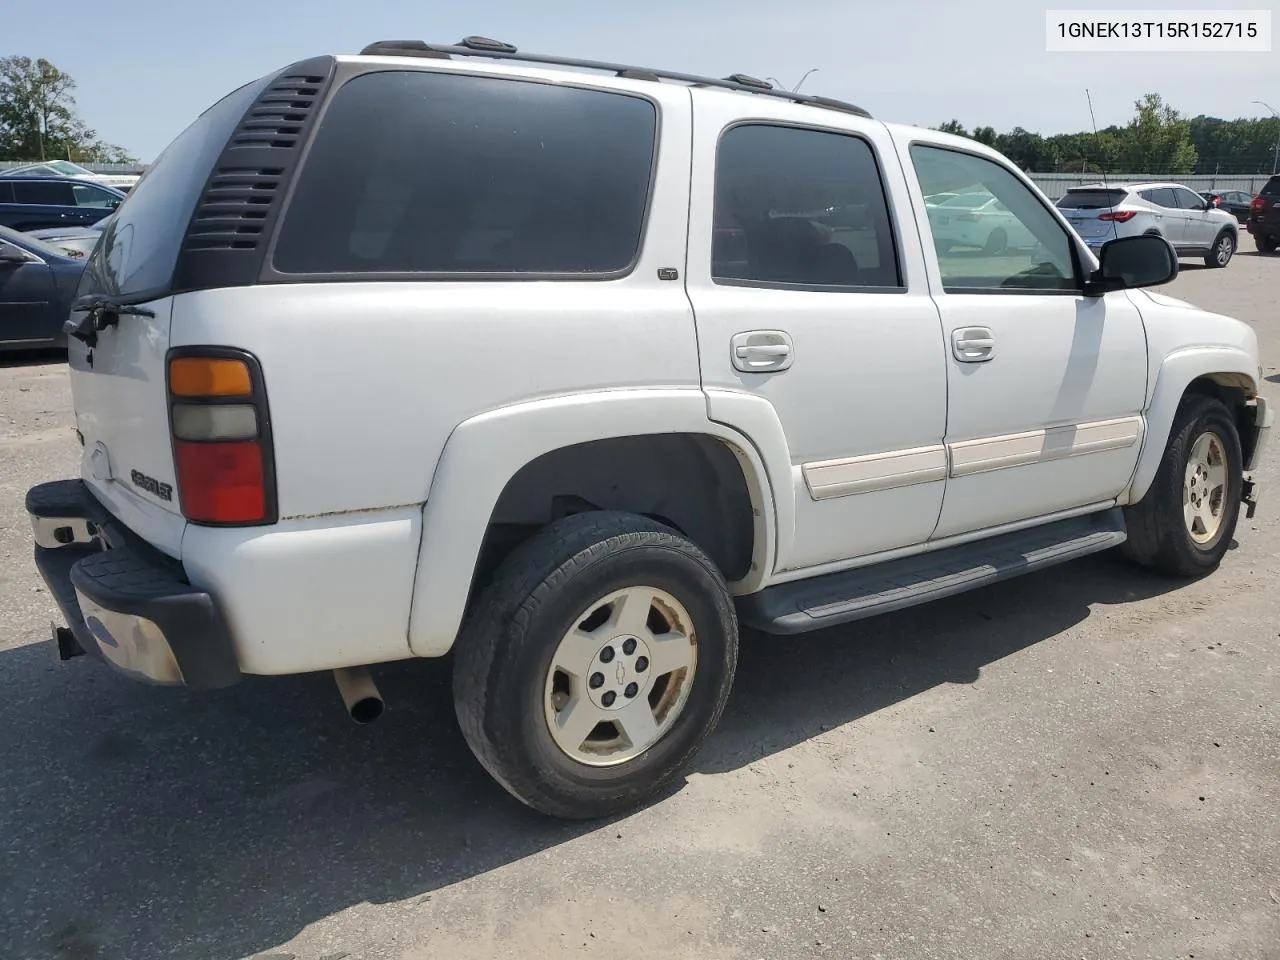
x,y
1102,212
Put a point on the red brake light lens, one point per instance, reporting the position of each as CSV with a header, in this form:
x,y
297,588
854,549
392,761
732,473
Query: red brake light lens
x,y
1119,216
221,482
1255,204
222,448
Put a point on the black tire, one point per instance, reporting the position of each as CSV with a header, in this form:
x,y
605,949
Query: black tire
x,y
1265,243
997,242
504,653
1223,249
1158,534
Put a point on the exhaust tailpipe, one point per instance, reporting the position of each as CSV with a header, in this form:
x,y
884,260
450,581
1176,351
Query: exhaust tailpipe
x,y
359,693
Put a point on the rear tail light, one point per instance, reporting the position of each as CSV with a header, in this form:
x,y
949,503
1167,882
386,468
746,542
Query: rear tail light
x,y
1119,216
1255,205
967,217
221,427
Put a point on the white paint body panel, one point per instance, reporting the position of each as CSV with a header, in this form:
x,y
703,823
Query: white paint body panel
x,y
852,350
487,450
120,404
1060,360
311,594
1185,343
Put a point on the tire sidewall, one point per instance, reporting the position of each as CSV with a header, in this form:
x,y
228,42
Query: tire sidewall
x,y
522,674
1209,416
1224,235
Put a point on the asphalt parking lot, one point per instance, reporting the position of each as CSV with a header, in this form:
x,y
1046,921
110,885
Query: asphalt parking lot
x,y
1082,763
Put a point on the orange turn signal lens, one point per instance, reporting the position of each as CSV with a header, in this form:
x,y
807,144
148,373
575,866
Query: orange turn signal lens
x,y
209,377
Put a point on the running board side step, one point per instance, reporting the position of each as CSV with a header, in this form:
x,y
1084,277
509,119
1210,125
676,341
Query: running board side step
x,y
836,598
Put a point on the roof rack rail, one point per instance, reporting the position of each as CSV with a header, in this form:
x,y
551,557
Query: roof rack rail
x,y
496,49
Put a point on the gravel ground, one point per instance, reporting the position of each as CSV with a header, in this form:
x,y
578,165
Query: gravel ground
x,y
1083,763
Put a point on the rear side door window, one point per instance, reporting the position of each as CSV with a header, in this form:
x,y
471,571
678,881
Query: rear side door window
x,y
47,193
434,174
1161,197
801,207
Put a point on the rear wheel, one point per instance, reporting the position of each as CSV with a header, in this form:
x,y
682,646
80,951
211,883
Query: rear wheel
x,y
1220,254
599,659
1265,243
1184,523
997,242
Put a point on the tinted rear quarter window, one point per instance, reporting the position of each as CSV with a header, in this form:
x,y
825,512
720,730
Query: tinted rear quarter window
x,y
1271,188
415,172
139,248
1091,199
44,192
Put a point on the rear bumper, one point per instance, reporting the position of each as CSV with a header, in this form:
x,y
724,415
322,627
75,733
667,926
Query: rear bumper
x,y
126,603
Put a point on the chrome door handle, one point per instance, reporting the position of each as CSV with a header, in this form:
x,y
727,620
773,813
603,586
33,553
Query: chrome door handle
x,y
761,351
973,344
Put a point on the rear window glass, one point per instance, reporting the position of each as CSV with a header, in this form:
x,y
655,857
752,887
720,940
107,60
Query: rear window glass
x,y
1090,199
48,192
139,248
416,172
1272,188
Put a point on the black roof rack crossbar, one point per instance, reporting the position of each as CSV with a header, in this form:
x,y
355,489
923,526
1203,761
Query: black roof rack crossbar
x,y
496,50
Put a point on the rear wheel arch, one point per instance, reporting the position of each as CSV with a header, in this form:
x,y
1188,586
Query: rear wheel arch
x,y
691,482
472,508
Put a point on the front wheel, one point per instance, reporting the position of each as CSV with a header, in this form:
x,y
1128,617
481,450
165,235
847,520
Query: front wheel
x,y
599,659
1223,249
1184,523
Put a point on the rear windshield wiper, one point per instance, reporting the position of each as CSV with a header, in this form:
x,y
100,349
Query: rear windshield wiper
x,y
99,312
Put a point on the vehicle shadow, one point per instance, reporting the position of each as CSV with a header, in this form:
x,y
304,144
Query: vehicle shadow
x,y
31,358
142,823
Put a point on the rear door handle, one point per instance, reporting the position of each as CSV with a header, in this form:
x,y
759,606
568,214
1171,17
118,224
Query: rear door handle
x,y
761,351
973,344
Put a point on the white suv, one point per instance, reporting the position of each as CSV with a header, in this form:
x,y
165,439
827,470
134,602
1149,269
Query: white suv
x,y
1102,212
568,369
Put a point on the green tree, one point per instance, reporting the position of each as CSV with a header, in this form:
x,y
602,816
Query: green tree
x,y
985,135
1157,140
38,119
953,126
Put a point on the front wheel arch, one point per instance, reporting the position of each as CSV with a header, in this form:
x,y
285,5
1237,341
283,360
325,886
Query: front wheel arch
x,y
1228,373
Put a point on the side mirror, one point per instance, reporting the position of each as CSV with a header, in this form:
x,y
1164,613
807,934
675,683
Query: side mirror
x,y
1131,262
10,254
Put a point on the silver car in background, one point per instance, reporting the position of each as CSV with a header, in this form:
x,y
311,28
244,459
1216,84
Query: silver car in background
x,y
1102,212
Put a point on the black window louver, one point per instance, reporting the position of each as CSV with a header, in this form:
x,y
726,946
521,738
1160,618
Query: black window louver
x,y
240,195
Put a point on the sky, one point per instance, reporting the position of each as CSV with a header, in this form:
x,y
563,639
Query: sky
x,y
146,68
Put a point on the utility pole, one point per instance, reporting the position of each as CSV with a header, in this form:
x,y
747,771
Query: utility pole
x,y
1275,156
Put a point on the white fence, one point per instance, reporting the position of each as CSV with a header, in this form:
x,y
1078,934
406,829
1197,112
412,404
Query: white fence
x,y
1053,184
1056,184
128,169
